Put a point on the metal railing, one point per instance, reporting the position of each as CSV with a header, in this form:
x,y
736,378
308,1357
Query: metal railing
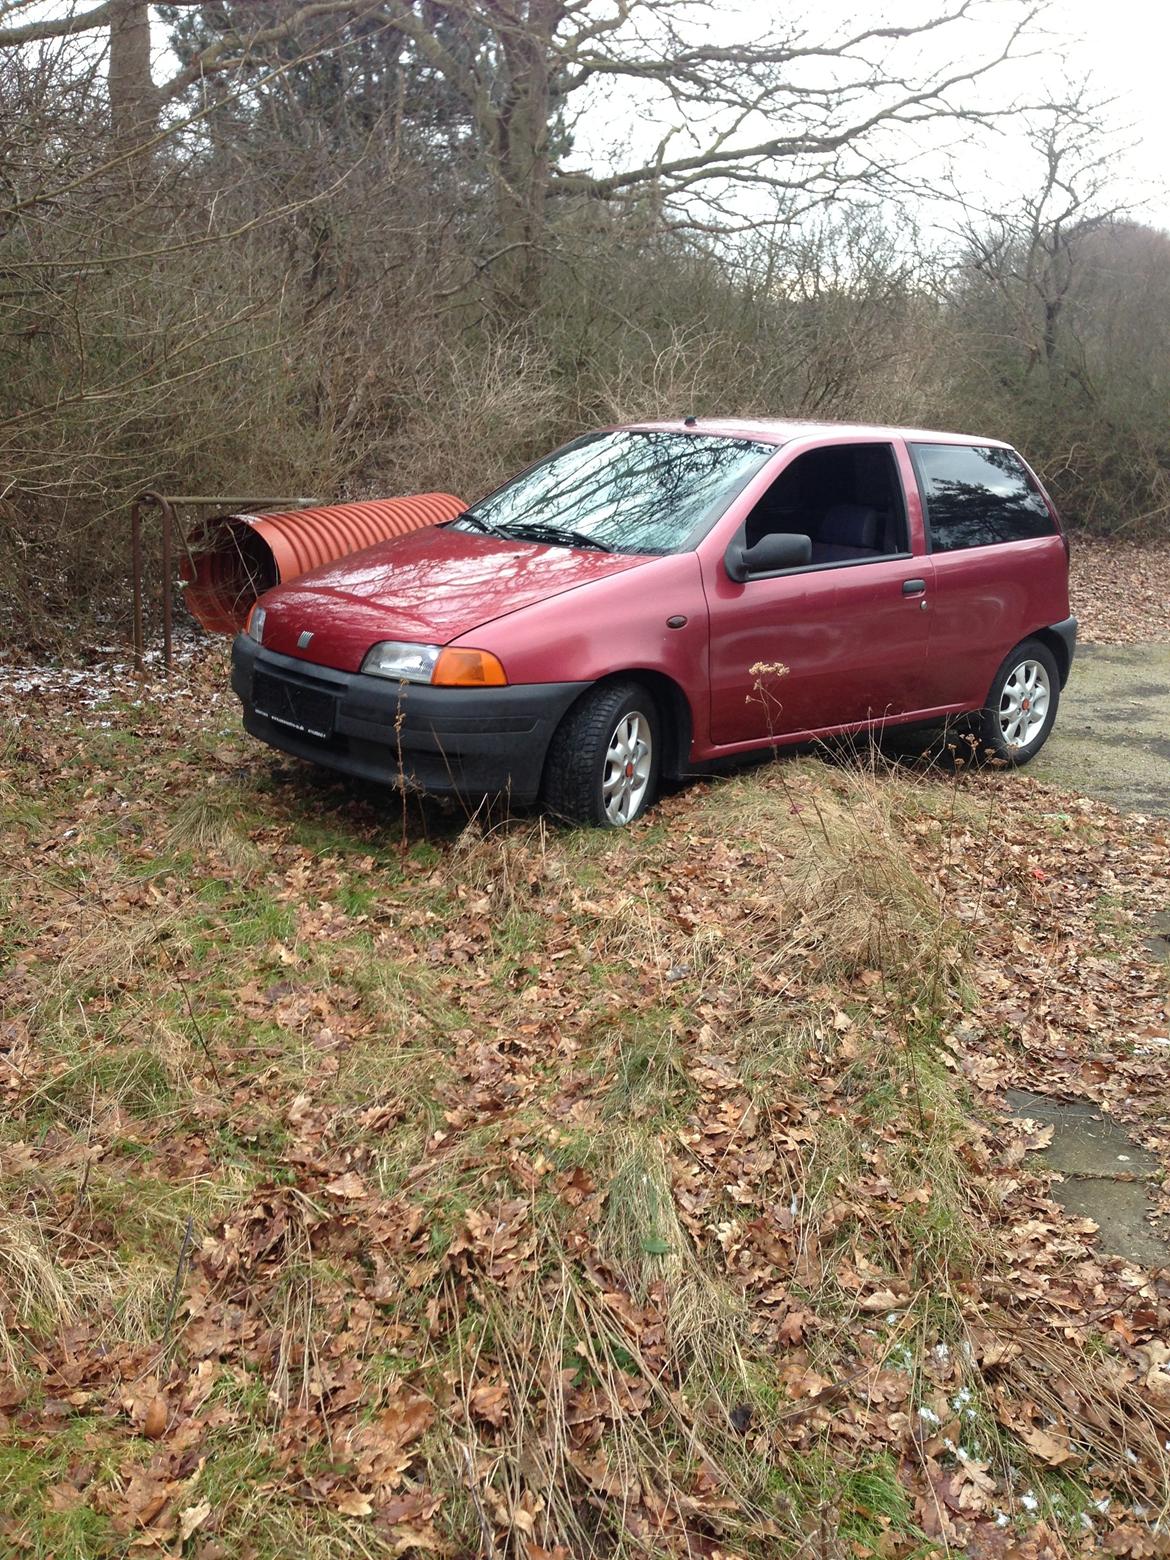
x,y
167,505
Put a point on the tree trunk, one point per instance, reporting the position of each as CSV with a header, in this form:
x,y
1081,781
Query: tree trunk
x,y
1052,307
522,162
133,98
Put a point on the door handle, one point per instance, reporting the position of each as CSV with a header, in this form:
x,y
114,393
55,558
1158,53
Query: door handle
x,y
913,587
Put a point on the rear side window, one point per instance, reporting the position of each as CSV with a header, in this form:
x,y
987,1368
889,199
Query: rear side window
x,y
975,497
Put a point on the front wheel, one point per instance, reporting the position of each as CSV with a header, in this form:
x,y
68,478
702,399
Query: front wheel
x,y
1022,704
602,765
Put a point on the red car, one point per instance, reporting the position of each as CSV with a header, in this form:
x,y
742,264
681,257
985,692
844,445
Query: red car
x,y
652,599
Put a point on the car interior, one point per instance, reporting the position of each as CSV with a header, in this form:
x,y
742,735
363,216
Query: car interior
x,y
846,498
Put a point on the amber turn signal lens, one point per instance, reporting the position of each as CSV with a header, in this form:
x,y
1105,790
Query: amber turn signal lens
x,y
468,669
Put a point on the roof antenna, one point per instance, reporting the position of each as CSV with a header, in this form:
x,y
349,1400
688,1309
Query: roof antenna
x,y
690,422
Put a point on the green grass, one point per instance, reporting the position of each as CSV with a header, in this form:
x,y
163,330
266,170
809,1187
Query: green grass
x,y
873,1503
37,1501
642,1059
91,1069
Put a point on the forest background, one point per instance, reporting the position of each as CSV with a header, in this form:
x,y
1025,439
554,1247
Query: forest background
x,y
348,250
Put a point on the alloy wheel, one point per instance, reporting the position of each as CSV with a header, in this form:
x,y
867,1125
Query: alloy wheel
x,y
1023,704
628,762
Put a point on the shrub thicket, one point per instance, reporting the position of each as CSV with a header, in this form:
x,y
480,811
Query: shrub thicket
x,y
285,299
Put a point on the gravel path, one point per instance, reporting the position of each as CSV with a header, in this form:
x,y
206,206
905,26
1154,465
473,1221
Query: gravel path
x,y
1112,736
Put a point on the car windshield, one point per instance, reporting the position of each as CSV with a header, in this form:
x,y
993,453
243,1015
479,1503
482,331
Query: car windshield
x,y
630,491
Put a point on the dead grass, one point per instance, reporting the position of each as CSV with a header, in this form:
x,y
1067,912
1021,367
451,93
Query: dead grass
x,y
542,1468
551,1023
212,820
856,897
494,847
106,950
296,1380
41,1293
1094,1407
38,1294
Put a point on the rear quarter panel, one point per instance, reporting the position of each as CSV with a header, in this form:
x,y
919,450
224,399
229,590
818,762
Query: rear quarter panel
x,y
986,600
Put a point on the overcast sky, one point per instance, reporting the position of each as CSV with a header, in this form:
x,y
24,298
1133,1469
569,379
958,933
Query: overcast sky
x,y
1126,45
1122,46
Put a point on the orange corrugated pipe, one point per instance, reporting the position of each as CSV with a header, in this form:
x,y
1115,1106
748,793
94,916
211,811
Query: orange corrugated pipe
x,y
232,559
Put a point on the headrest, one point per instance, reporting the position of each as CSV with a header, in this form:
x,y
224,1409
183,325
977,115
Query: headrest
x,y
850,525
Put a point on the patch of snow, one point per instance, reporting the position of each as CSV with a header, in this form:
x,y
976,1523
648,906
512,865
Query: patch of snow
x,y
108,675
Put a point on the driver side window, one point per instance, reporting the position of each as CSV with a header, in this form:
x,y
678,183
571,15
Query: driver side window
x,y
846,498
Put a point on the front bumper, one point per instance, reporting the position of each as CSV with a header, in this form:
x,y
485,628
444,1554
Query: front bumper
x,y
445,741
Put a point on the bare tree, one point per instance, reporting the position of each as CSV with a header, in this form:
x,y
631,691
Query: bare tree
x,y
1059,310
1029,255
801,110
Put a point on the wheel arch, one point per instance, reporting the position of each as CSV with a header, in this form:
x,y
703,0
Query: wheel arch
x,y
1059,649
992,717
673,706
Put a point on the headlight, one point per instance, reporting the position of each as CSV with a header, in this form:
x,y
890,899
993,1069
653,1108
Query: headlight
x,y
402,662
255,628
444,668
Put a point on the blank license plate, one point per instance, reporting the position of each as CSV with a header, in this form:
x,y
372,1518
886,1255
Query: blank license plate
x,y
288,704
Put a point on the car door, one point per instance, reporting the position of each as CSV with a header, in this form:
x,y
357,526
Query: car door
x,y
850,629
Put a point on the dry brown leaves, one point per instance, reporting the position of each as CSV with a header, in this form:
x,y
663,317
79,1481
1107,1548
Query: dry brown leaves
x,y
467,1321
1120,591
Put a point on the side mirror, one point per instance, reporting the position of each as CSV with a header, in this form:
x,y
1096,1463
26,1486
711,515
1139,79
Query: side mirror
x,y
778,550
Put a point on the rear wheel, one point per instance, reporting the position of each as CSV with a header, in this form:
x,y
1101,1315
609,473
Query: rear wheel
x,y
1022,704
602,764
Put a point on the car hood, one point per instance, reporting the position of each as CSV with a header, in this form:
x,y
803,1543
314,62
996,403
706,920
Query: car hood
x,y
431,586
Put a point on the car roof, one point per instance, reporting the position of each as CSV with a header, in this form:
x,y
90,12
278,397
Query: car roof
x,y
777,431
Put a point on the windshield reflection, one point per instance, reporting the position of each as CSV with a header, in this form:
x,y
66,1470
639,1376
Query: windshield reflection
x,y
631,491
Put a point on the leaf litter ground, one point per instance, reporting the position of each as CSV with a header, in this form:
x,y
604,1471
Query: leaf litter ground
x,y
1118,589
382,1181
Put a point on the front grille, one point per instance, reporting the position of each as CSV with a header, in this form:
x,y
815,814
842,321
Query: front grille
x,y
291,704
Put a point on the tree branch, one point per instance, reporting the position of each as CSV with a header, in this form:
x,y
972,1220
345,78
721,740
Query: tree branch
x,y
69,26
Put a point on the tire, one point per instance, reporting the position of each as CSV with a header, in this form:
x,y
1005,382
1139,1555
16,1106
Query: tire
x,y
583,781
1012,724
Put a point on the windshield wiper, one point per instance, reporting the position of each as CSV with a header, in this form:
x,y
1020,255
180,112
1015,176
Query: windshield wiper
x,y
471,518
557,533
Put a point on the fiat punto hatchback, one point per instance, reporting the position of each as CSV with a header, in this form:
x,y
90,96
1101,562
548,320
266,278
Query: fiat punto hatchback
x,y
650,600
